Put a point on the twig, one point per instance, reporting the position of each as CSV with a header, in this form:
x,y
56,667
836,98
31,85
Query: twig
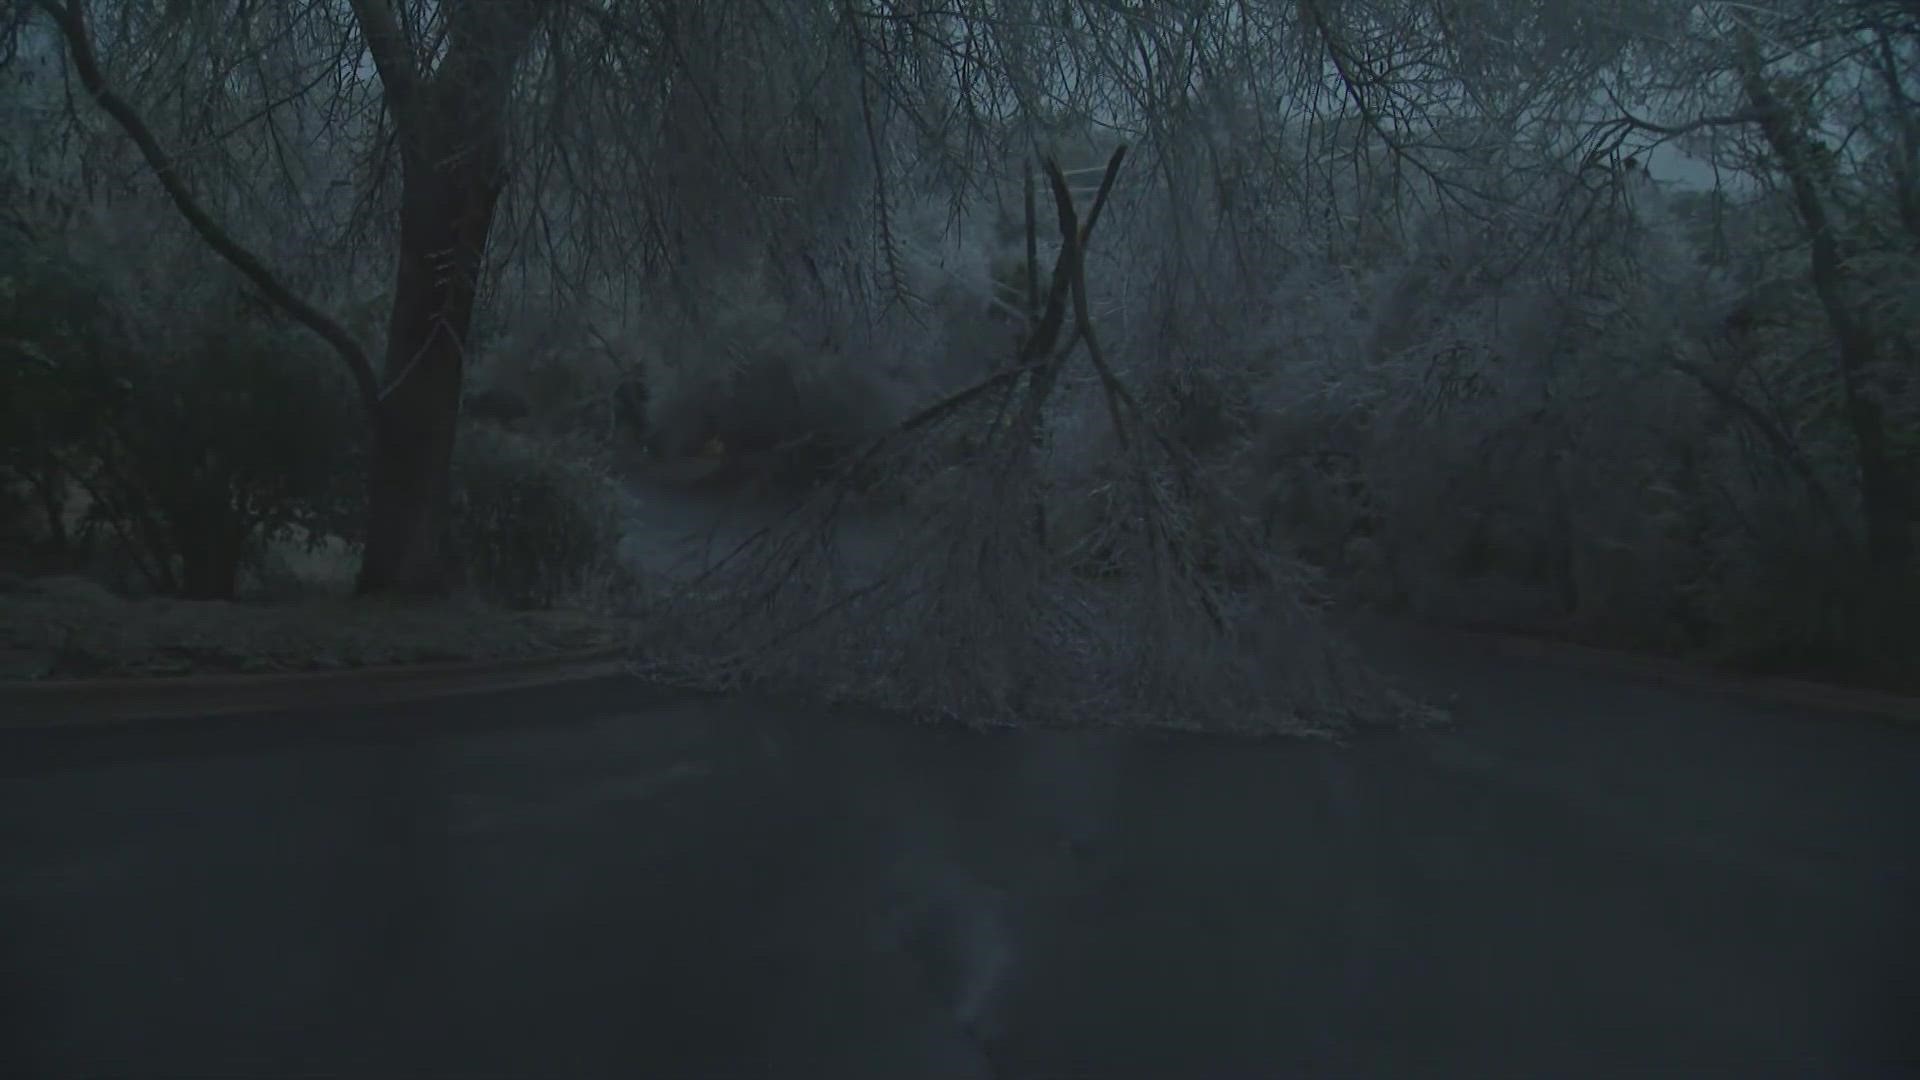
x,y
71,20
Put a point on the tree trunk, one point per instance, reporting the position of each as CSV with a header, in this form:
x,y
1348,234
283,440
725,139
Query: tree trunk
x,y
1883,490
49,488
445,208
453,131
409,483
210,559
451,127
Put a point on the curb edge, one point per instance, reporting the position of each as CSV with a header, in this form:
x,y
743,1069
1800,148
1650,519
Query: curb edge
x,y
71,703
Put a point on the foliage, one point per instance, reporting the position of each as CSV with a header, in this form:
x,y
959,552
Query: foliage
x,y
533,523
745,379
53,335
970,603
1394,275
193,445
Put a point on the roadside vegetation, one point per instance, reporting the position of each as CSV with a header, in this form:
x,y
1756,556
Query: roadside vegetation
x,y
1082,357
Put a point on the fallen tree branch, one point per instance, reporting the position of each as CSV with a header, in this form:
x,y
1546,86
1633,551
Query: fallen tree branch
x,y
954,608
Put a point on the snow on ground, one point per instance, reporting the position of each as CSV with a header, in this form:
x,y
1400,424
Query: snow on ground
x,y
56,628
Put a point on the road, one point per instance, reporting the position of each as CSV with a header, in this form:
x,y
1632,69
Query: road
x,y
1583,877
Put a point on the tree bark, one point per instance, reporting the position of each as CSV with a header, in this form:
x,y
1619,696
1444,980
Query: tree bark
x,y
1884,494
210,558
452,128
452,133
444,209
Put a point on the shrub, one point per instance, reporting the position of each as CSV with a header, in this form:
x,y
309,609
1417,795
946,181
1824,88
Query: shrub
x,y
1789,596
53,331
532,523
194,445
749,382
240,437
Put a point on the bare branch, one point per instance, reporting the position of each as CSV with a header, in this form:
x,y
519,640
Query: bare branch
x,y
1734,119
391,58
70,18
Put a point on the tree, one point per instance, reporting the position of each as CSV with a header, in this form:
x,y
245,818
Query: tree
x,y
475,101
566,111
614,152
450,124
452,128
1817,102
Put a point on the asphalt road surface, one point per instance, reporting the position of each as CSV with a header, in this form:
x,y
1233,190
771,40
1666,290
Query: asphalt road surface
x,y
1583,878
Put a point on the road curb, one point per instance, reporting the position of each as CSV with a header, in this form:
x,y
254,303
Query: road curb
x,y
1756,689
82,702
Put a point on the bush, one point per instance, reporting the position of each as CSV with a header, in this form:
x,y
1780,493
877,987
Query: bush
x,y
1792,597
243,436
53,333
532,523
750,383
194,446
